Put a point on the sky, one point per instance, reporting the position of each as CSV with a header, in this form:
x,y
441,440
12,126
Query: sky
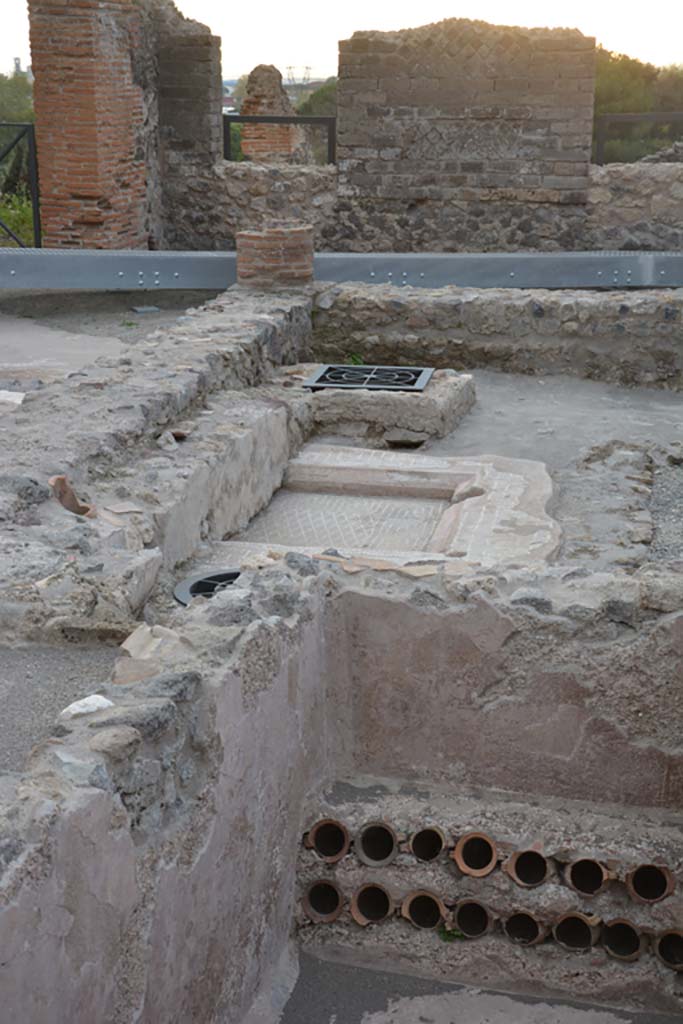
x,y
304,33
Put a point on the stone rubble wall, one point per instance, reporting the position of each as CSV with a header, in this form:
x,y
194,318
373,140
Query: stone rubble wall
x,y
156,840
628,337
68,576
152,845
628,206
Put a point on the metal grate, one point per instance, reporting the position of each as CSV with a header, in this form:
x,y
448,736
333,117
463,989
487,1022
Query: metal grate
x,y
373,378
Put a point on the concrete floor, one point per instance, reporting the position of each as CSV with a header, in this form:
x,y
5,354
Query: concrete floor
x,y
554,419
329,992
36,683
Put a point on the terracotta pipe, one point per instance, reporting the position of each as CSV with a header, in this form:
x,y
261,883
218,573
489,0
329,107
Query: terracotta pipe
x,y
427,843
622,940
525,929
376,844
528,868
576,931
668,946
475,854
423,909
587,876
329,838
371,904
323,901
650,883
472,918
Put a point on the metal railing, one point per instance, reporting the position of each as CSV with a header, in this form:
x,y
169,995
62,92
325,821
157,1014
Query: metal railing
x,y
603,121
24,131
330,123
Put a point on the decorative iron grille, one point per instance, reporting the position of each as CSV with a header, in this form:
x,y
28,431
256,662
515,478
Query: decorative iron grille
x,y
373,378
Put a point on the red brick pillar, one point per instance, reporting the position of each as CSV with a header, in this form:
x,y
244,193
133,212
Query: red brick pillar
x,y
89,117
276,257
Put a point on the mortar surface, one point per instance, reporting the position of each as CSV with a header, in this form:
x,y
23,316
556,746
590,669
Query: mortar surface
x,y
37,682
330,520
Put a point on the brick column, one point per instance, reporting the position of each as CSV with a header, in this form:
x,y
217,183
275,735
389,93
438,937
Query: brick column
x,y
276,257
89,117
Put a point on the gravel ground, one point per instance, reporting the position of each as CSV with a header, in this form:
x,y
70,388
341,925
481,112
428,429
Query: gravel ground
x,y
102,313
36,683
667,511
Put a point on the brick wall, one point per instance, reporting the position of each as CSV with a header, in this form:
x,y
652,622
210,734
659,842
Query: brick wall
x,y
462,109
89,114
128,101
271,143
280,255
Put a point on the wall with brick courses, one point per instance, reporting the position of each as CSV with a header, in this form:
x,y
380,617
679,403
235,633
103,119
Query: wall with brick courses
x,y
271,143
461,108
89,116
122,86
277,256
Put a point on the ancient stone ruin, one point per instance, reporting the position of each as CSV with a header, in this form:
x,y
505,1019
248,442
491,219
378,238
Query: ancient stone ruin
x,y
341,621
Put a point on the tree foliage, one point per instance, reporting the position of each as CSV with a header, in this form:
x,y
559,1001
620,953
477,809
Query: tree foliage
x,y
322,102
626,85
16,98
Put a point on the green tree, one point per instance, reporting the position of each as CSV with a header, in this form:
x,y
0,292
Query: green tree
x,y
16,98
240,91
322,102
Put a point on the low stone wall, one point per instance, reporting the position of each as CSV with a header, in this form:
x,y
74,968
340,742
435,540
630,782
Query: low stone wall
x,y
625,337
207,211
628,206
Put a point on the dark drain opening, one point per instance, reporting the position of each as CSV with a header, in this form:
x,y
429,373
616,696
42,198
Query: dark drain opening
x,y
649,883
573,932
587,876
669,949
323,901
377,844
621,940
472,919
373,903
475,854
204,585
427,844
522,928
329,839
530,868
423,910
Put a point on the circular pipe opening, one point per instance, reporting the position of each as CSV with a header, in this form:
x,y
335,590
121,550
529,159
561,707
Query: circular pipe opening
x,y
371,904
377,843
204,585
586,876
472,919
423,910
573,932
427,844
323,901
669,949
621,940
476,854
522,928
650,883
330,839
529,868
